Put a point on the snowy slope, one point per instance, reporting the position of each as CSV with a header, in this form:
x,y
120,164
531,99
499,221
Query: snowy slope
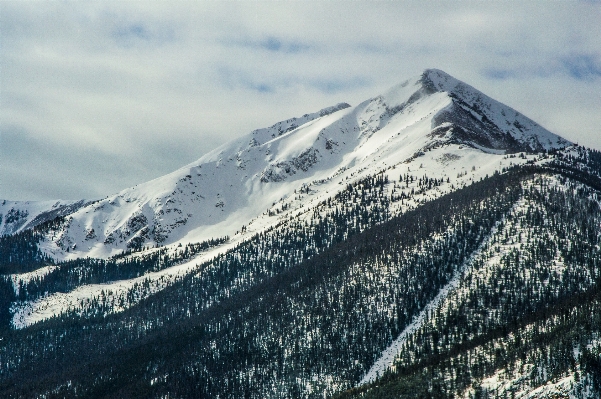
x,y
238,182
430,125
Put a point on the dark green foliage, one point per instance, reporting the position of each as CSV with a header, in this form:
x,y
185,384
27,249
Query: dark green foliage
x,y
71,274
19,253
230,318
304,309
7,296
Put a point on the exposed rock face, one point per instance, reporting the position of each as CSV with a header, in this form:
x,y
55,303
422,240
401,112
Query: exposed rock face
x,y
281,170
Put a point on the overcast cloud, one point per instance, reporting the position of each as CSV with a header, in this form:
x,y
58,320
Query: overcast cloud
x,y
99,96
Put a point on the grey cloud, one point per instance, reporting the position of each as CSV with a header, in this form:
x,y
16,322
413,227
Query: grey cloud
x,y
340,85
130,34
272,44
499,73
233,79
583,66
43,169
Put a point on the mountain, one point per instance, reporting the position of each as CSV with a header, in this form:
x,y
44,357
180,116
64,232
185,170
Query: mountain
x,y
428,242
235,184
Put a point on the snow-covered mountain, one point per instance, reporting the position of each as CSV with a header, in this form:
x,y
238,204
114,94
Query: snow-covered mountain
x,y
237,184
428,242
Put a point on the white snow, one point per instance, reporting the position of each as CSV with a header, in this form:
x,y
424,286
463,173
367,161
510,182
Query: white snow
x,y
25,278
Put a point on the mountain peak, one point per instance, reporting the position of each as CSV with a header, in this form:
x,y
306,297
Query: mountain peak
x,y
437,80
434,73
471,117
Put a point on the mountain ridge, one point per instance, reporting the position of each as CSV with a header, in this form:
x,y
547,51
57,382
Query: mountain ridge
x,y
297,151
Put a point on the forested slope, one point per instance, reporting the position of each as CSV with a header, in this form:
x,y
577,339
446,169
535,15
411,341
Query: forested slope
x,y
305,309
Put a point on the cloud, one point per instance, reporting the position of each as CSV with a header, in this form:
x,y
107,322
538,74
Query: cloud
x,y
135,31
129,34
135,90
273,44
236,79
499,74
340,85
583,66
579,66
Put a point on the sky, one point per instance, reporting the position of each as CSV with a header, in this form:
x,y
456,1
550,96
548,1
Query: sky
x,y
99,96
